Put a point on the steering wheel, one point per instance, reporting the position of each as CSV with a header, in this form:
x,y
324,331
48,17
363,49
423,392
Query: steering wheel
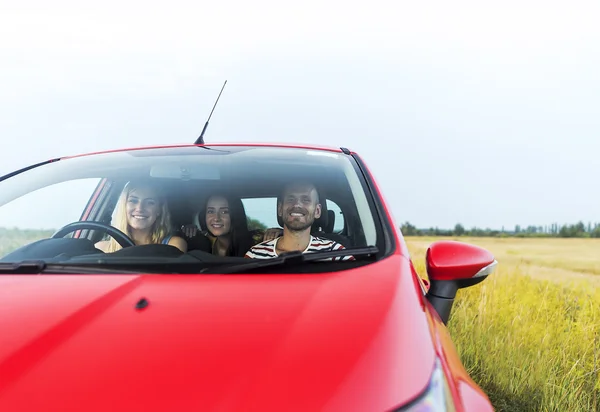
x,y
121,238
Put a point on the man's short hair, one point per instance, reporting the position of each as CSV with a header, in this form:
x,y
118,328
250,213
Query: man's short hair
x,y
300,183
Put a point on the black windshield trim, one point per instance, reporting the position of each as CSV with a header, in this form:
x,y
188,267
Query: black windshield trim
x,y
33,166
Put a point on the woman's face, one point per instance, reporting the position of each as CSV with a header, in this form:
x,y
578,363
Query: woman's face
x,y
143,208
218,220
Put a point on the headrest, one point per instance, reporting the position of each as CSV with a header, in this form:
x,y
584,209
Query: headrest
x,y
330,222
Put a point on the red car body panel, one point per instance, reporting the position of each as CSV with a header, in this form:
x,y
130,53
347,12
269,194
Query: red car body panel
x,y
465,391
355,340
234,342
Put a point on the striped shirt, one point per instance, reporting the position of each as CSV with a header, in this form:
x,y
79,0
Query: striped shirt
x,y
268,249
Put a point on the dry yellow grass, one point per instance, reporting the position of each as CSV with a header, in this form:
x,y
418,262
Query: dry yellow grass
x,y
530,333
12,239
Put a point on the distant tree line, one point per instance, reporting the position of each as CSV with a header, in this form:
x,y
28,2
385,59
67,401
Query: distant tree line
x,y
579,229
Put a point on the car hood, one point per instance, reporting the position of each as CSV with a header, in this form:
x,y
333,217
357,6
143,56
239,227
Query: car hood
x,y
348,340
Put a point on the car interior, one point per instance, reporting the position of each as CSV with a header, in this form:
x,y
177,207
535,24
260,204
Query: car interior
x,y
186,198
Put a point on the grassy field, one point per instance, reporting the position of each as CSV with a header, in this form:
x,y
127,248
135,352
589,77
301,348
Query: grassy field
x,y
530,334
11,239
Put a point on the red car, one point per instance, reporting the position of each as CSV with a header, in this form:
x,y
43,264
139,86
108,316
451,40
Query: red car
x,y
96,317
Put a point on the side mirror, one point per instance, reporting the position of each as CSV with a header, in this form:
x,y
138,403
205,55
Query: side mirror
x,y
453,265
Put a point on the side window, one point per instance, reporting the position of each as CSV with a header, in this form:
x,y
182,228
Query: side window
x,y
37,215
261,212
339,217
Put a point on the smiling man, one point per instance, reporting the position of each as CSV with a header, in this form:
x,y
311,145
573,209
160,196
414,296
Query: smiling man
x,y
299,207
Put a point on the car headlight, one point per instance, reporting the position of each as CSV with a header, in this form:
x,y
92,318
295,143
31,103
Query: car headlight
x,y
437,397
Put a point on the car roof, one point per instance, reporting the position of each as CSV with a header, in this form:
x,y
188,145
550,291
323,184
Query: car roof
x,y
232,144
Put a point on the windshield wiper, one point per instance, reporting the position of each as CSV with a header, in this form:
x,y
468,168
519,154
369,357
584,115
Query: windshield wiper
x,y
36,267
25,267
292,259
128,265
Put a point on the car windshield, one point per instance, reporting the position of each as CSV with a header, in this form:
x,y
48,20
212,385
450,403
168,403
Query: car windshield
x,y
220,200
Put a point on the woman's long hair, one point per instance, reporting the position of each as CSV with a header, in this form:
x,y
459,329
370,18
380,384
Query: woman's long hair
x,y
239,236
161,227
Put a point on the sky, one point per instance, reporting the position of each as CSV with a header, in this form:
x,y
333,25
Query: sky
x,y
483,114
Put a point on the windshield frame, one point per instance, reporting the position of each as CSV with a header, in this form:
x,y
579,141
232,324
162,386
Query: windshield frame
x,y
382,227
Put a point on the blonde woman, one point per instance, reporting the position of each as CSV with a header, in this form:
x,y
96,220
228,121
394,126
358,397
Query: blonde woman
x,y
143,215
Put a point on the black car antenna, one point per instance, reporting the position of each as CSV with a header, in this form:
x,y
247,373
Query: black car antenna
x,y
200,139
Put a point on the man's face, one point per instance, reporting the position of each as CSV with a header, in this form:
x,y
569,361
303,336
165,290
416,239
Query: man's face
x,y
299,207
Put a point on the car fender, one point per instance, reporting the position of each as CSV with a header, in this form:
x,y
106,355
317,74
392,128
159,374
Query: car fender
x,y
468,396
